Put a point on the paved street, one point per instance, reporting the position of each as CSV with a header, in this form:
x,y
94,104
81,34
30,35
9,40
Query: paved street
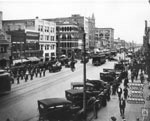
x,y
23,98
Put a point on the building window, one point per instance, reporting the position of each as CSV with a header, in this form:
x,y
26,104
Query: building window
x,y
52,47
46,37
52,38
41,37
41,47
41,28
46,54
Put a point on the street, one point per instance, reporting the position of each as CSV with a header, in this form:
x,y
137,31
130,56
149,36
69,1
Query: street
x,y
21,103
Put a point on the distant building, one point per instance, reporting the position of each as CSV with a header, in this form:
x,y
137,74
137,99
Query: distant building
x,y
104,37
5,46
46,30
69,38
83,22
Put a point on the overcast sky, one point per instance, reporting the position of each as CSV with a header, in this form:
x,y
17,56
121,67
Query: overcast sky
x,y
127,17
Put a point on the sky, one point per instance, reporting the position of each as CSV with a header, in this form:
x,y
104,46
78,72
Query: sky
x,y
126,17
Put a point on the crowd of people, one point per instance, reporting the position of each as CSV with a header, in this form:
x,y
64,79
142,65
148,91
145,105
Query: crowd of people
x,y
137,68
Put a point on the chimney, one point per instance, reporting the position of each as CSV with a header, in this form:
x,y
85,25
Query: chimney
x,y
1,19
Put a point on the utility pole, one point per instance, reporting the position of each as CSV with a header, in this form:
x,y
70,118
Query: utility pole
x,y
84,76
58,41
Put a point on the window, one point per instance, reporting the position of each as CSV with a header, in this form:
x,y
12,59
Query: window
x,y
41,37
46,37
41,28
46,29
41,47
52,38
52,47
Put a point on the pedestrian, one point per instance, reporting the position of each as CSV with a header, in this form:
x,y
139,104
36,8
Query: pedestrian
x,y
40,71
142,77
132,76
72,65
125,93
43,71
96,103
119,91
114,89
122,105
126,81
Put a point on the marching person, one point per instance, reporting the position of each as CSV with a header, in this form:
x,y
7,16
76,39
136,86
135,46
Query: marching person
x,y
122,105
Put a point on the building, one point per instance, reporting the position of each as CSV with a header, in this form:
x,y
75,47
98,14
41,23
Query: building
x,y
104,38
91,26
25,43
87,23
5,46
69,38
46,30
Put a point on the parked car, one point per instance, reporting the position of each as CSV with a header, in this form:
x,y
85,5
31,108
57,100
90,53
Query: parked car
x,y
107,77
101,86
76,97
57,109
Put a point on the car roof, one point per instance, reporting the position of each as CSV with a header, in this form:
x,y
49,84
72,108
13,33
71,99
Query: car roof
x,y
76,91
81,84
54,101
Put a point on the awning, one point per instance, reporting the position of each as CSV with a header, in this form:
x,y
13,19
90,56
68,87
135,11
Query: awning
x,y
33,59
20,61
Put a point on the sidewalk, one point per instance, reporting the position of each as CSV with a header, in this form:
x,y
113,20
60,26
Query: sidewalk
x,y
132,111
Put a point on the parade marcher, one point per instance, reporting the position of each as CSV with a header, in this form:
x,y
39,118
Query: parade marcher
x,y
119,91
18,77
125,92
36,72
40,71
43,71
21,75
26,76
122,105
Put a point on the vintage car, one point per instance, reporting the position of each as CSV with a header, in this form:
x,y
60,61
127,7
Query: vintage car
x,y
107,77
55,67
89,87
102,86
119,67
57,109
98,59
76,97
93,92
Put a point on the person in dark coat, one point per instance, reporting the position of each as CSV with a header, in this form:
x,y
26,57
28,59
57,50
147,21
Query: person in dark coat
x,y
122,105
119,91
126,81
125,92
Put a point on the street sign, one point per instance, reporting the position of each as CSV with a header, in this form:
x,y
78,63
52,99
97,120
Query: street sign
x,y
144,112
